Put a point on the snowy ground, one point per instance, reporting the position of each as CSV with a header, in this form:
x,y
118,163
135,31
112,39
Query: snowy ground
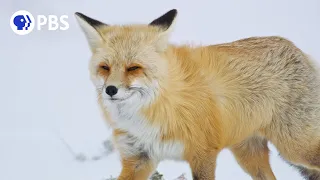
x,y
46,92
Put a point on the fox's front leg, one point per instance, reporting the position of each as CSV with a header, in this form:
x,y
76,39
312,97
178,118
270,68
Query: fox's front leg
x,y
137,163
252,155
137,168
203,165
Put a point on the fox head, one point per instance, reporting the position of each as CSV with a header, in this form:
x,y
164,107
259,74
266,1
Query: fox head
x,y
128,61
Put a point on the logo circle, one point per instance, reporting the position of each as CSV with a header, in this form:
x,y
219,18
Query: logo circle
x,y
22,22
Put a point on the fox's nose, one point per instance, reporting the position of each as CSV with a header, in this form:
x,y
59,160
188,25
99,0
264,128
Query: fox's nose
x,y
111,90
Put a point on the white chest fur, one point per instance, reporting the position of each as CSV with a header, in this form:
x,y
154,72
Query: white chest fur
x,y
142,138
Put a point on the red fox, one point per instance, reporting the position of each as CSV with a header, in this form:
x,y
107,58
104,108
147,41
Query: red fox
x,y
187,103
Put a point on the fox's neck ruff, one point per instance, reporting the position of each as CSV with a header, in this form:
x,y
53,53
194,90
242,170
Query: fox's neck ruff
x,y
184,95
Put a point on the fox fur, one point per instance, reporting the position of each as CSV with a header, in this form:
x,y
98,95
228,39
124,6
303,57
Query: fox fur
x,y
187,103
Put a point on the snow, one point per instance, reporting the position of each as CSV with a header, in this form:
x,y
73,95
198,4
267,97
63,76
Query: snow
x,y
48,101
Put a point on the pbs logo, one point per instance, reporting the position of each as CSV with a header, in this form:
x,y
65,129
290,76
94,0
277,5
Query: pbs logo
x,y
22,22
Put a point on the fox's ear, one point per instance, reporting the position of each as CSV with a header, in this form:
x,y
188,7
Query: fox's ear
x,y
90,27
166,21
165,24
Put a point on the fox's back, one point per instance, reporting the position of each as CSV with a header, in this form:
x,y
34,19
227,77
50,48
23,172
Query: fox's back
x,y
261,66
259,78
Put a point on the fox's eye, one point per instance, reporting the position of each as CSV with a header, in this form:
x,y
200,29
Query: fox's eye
x,y
133,68
105,67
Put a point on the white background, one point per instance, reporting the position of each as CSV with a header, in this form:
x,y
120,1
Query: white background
x,y
46,91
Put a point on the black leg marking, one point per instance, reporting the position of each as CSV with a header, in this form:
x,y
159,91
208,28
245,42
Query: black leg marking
x,y
195,176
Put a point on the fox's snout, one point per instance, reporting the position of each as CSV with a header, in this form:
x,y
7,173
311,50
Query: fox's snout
x,y
111,90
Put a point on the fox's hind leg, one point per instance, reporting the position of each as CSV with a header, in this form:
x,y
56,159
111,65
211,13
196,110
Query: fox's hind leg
x,y
299,144
308,174
253,156
304,156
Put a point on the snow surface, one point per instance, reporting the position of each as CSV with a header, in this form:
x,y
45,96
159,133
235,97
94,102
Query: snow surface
x,y
46,93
